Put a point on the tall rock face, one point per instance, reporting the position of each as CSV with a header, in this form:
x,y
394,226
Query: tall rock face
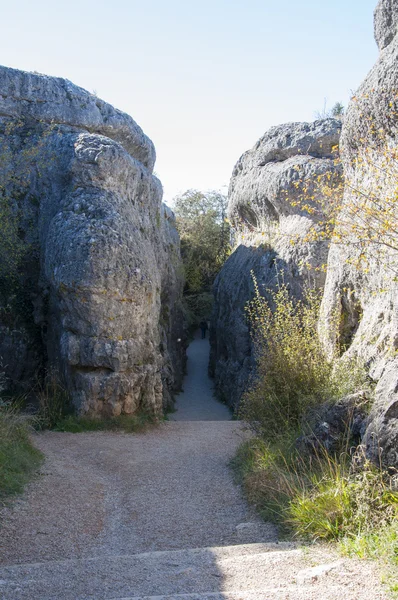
x,y
385,22
261,209
99,264
367,299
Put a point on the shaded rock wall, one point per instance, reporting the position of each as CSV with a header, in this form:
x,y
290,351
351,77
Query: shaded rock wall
x,y
355,294
106,288
265,222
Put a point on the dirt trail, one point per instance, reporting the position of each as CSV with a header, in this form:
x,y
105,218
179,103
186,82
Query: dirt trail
x,y
157,515
196,402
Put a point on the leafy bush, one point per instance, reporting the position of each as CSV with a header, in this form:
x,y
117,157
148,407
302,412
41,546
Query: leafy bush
x,y
196,308
293,372
360,212
261,467
336,112
378,543
324,498
314,495
204,232
341,503
205,246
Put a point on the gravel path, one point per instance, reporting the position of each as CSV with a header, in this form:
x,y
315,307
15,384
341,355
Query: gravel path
x,y
106,493
196,402
118,516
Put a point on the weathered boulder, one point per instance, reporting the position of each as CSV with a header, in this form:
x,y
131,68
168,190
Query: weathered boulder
x,y
385,22
266,221
105,292
335,426
381,435
262,188
55,100
367,298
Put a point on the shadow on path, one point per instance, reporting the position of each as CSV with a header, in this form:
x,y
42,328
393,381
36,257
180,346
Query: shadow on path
x,y
197,402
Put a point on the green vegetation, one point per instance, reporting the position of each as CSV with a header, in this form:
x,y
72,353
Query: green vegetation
x,y
25,153
54,401
126,423
321,497
23,156
197,307
337,111
324,498
311,494
204,231
293,372
19,459
377,544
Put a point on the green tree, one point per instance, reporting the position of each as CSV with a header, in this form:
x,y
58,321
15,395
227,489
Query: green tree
x,y
205,233
337,111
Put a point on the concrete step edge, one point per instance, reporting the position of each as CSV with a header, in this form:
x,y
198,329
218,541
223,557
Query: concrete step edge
x,y
223,553
258,594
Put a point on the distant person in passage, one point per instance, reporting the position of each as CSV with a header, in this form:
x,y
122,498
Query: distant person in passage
x,y
203,327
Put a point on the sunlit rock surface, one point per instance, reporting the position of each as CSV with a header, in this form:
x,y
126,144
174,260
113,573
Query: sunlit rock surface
x,y
367,299
105,285
270,238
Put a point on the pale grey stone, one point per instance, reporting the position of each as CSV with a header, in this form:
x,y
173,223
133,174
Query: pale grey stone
x,y
55,100
261,196
314,573
107,292
385,22
381,436
372,315
334,425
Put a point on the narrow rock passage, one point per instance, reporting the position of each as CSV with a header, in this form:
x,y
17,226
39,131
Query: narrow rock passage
x,y
197,402
157,515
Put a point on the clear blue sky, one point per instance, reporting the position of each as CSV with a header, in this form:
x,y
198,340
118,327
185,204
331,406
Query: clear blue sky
x,y
204,79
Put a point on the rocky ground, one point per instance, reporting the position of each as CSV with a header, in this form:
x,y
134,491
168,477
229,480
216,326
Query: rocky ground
x,y
157,515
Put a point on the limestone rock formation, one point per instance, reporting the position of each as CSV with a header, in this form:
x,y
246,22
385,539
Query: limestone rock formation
x,y
368,301
56,100
101,264
385,22
262,212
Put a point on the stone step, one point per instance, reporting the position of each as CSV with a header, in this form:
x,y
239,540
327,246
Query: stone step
x,y
186,573
259,594
272,571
